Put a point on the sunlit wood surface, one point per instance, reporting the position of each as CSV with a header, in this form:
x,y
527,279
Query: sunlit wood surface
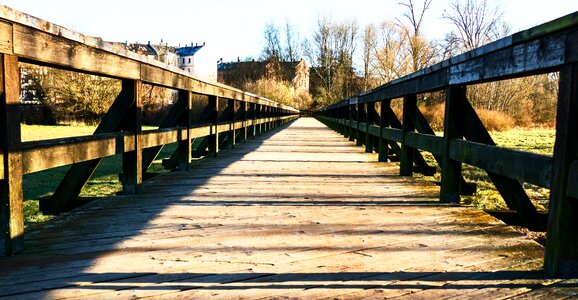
x,y
297,213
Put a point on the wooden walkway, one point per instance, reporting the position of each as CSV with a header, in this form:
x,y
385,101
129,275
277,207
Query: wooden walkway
x,y
297,213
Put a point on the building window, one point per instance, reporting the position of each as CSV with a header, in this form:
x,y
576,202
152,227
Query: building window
x,y
183,61
189,60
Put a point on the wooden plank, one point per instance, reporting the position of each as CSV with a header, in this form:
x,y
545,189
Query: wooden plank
x,y
224,230
6,43
11,198
523,166
44,155
49,49
426,142
561,257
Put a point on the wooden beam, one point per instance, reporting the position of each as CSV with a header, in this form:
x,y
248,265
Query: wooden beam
x,y
11,198
451,169
561,256
132,164
383,142
407,152
214,137
79,173
510,189
527,167
184,148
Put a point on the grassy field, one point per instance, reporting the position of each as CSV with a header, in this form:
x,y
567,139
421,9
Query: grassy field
x,y
103,183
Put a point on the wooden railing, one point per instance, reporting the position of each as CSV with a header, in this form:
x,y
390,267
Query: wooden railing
x,y
24,38
551,47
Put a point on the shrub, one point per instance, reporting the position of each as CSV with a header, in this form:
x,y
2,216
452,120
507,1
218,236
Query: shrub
x,y
495,120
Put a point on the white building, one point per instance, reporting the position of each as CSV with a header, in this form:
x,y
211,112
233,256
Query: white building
x,y
187,57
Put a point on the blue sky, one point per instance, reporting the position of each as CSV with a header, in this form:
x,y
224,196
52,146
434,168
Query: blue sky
x,y
234,29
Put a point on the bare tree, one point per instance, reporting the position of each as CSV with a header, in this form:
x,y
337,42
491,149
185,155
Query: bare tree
x,y
369,45
272,48
421,51
476,21
292,43
391,60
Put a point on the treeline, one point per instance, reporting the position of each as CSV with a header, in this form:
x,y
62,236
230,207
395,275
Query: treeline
x,y
347,59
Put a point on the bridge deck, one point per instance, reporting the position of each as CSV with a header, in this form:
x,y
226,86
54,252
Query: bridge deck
x,y
298,213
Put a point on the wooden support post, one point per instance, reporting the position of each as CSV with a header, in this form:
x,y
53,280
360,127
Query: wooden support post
x,y
374,119
243,115
132,160
383,143
352,117
422,126
11,211
368,107
177,112
258,116
344,115
360,119
451,170
214,120
79,173
251,116
232,118
407,153
185,147
561,256
510,189
418,159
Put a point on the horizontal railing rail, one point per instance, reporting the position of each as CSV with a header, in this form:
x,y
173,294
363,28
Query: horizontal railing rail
x,y
230,115
551,47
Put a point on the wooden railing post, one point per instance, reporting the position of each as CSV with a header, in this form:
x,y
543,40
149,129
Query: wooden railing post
x,y
360,119
383,143
451,169
11,212
352,116
368,123
244,115
561,256
407,153
132,160
251,116
258,116
185,149
232,118
214,121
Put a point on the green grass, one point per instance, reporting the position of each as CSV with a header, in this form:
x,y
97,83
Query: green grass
x,y
540,141
104,181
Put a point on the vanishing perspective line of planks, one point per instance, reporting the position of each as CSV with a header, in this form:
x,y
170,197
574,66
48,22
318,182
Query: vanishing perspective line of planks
x,y
297,213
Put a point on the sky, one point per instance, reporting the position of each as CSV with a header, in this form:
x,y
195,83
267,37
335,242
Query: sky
x,y
233,29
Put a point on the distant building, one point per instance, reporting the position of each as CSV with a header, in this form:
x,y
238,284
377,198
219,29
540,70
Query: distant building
x,y
187,57
182,57
237,73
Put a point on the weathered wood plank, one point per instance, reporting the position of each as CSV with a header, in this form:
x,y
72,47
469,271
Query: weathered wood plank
x,y
11,198
426,142
524,166
44,155
6,43
562,243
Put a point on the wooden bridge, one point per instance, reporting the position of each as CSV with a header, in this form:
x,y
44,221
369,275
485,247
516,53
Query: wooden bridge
x,y
291,209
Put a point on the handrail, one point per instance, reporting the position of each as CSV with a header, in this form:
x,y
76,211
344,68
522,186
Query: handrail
x,y
24,38
550,47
